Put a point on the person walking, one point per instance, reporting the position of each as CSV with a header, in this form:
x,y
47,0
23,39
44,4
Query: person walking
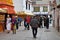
x,y
19,21
13,25
16,18
44,21
34,25
40,21
25,23
8,24
47,22
38,18
28,19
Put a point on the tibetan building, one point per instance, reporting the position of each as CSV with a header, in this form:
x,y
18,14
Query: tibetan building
x,y
6,7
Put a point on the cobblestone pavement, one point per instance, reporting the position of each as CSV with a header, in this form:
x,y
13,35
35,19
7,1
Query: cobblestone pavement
x,y
43,34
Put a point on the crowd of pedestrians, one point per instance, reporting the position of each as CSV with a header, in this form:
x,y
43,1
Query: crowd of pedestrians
x,y
34,22
13,23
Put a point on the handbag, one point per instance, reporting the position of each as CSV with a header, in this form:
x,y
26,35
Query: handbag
x,y
15,26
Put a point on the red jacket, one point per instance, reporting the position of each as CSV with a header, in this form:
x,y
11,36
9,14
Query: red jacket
x,y
28,19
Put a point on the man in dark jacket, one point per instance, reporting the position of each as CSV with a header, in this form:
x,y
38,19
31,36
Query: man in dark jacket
x,y
16,18
47,22
34,25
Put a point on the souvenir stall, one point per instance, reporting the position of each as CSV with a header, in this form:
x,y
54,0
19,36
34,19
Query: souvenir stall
x,y
2,19
6,8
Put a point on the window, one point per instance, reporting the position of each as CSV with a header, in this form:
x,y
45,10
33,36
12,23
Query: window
x,y
29,6
45,9
26,4
36,9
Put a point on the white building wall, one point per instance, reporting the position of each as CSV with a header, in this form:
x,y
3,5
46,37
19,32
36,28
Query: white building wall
x,y
20,5
48,8
27,10
24,5
41,2
41,11
41,8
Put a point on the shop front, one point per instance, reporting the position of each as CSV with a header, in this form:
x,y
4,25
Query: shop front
x,y
6,8
2,21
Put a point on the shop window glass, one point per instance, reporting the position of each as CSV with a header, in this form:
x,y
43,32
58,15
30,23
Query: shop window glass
x,y
36,9
45,9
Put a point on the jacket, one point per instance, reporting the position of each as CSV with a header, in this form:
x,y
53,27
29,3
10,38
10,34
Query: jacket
x,y
34,23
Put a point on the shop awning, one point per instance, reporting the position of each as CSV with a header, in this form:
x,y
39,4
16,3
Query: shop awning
x,y
21,13
24,13
7,11
29,13
8,8
10,11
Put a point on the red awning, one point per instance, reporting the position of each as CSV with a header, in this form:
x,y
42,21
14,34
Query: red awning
x,y
8,8
11,11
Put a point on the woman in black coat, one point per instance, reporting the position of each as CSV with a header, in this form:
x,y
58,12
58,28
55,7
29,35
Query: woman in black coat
x,y
47,22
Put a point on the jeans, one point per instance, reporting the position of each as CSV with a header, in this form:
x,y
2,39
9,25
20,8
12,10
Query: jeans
x,y
34,31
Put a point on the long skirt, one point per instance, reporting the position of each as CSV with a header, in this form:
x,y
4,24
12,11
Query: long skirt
x,y
8,26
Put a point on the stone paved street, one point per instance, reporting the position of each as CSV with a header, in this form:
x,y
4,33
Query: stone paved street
x,y
15,14
43,34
